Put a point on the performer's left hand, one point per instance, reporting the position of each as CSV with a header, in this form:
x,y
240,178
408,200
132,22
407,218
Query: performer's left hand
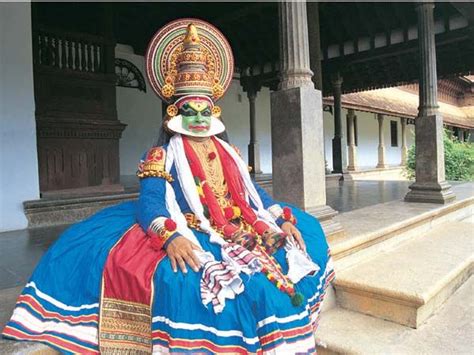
x,y
291,230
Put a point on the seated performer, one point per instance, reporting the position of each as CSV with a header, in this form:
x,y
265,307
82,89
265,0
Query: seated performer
x,y
205,261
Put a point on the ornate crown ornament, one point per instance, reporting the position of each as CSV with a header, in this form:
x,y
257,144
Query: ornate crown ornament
x,y
189,57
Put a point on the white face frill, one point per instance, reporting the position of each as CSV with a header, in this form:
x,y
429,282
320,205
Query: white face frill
x,y
176,125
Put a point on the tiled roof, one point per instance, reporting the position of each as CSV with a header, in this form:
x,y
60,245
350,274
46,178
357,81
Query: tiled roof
x,y
400,103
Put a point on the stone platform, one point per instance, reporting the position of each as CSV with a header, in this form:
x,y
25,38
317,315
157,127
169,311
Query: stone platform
x,y
407,285
449,331
342,196
403,280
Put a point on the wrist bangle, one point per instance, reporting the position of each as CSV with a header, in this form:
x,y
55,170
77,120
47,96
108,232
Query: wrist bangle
x,y
165,231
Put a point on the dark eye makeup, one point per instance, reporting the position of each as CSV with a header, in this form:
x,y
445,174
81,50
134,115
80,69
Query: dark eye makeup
x,y
206,112
187,111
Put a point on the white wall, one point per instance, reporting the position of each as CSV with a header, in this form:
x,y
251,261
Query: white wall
x,y
142,113
367,149
328,125
235,114
19,179
368,142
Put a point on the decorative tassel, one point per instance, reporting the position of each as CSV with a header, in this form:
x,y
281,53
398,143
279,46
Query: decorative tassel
x,y
170,225
297,299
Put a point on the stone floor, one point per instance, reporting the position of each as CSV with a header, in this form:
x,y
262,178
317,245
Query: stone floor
x,y
342,196
352,195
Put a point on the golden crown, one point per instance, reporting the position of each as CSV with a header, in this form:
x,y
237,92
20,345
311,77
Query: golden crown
x,y
192,70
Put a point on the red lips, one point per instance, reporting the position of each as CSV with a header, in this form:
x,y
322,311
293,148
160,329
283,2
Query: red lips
x,y
199,128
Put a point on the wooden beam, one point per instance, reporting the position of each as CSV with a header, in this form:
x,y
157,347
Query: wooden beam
x,y
408,47
367,24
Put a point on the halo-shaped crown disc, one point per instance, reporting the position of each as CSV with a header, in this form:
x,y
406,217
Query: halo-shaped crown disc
x,y
167,43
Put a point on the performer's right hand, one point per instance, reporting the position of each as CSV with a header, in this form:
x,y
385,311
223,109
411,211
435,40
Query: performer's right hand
x,y
181,252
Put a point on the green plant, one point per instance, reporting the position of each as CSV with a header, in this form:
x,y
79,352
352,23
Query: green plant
x,y
458,159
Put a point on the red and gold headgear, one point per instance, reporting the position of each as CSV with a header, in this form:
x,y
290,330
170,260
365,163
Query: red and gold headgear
x,y
189,59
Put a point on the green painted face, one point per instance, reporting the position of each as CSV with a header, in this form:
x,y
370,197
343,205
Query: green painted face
x,y
196,117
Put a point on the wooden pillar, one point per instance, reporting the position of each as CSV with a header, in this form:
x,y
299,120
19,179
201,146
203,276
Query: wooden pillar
x,y
251,86
253,147
352,149
381,148
337,153
430,184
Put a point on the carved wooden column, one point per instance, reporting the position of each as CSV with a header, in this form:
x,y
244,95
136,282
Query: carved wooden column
x,y
381,148
352,149
297,122
430,184
338,164
252,86
78,130
404,148
253,147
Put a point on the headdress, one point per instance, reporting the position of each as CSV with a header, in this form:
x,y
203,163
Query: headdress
x,y
189,59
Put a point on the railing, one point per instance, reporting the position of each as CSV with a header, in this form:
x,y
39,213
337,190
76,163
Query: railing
x,y
73,51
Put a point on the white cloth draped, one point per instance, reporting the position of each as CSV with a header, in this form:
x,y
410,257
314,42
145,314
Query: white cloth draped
x,y
299,262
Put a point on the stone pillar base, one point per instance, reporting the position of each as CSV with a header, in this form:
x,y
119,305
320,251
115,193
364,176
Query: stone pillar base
x,y
430,193
325,214
352,150
298,173
404,156
297,146
381,163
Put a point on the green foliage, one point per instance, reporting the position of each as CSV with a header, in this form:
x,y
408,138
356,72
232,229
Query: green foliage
x,y
458,159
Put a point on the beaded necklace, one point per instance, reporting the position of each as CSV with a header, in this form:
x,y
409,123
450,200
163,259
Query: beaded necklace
x,y
212,166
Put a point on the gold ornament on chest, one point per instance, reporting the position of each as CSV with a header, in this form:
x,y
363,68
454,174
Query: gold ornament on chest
x,y
211,164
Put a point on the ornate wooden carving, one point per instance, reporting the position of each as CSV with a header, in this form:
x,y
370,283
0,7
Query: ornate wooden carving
x,y
128,75
77,127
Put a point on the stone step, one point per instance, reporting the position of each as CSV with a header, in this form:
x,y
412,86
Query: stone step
x,y
66,209
448,332
51,212
371,230
407,284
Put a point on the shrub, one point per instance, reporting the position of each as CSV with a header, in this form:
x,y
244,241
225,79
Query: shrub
x,y
458,159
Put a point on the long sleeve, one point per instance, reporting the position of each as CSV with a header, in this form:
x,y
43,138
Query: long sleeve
x,y
151,203
152,214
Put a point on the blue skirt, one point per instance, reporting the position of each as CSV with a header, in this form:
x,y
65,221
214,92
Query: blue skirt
x,y
60,304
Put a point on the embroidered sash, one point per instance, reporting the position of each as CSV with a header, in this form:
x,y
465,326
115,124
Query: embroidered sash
x,y
127,295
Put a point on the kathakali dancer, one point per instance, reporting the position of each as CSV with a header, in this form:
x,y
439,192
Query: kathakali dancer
x,y
205,261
